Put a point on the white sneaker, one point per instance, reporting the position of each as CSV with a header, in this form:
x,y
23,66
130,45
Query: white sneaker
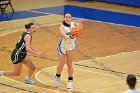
x,y
69,84
57,81
28,80
1,73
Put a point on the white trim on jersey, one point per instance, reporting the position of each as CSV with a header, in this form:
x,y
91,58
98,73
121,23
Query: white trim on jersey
x,y
16,56
22,46
17,53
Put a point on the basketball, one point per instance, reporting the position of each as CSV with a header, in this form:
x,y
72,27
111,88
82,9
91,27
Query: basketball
x,y
75,31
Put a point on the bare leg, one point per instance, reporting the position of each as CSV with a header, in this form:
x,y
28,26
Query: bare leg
x,y
60,64
15,72
28,62
59,70
69,56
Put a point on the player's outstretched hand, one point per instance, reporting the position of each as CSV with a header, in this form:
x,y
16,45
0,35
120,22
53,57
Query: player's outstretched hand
x,y
41,54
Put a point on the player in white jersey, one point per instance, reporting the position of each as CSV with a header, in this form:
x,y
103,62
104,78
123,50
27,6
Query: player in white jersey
x,y
65,49
131,82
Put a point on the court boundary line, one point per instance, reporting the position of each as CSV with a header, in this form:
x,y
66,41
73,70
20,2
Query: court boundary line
x,y
96,72
77,18
32,18
86,19
56,24
22,29
22,82
16,88
90,19
121,53
49,84
74,62
36,77
31,85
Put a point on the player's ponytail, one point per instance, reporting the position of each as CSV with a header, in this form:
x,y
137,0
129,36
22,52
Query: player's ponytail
x,y
28,26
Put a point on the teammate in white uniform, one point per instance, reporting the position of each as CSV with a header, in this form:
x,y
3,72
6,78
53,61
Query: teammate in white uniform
x,y
131,82
65,44
65,49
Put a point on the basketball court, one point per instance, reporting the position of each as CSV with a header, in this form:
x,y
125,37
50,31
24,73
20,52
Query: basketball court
x,y
107,50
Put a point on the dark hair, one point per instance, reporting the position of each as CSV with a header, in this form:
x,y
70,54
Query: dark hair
x,y
64,23
67,13
131,80
27,26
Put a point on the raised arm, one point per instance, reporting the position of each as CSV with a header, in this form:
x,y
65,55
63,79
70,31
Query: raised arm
x,y
79,23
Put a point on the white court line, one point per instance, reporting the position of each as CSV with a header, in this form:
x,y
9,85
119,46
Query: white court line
x,y
109,23
31,85
97,58
121,53
89,19
12,32
113,23
24,29
102,74
96,72
38,12
84,18
36,77
74,17
37,72
22,82
78,69
102,22
77,18
88,70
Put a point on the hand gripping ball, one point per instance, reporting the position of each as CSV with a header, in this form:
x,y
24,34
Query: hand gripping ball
x,y
75,31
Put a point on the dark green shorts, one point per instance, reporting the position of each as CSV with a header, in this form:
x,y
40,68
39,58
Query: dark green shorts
x,y
17,56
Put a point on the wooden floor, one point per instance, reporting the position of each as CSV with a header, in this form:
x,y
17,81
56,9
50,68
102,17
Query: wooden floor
x,y
108,48
94,80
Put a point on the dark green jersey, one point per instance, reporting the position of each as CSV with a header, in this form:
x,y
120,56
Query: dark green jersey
x,y
21,43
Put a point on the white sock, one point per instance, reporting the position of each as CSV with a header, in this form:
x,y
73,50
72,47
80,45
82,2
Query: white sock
x,y
1,73
27,77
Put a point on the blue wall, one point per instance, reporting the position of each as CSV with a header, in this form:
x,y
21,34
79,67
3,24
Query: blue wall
x,y
103,15
125,2
79,12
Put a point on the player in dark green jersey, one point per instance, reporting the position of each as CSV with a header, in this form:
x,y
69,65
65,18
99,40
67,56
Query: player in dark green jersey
x,y
19,55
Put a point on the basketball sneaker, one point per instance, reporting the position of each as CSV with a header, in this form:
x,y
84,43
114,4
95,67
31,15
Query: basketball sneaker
x,y
69,84
57,81
1,73
28,80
